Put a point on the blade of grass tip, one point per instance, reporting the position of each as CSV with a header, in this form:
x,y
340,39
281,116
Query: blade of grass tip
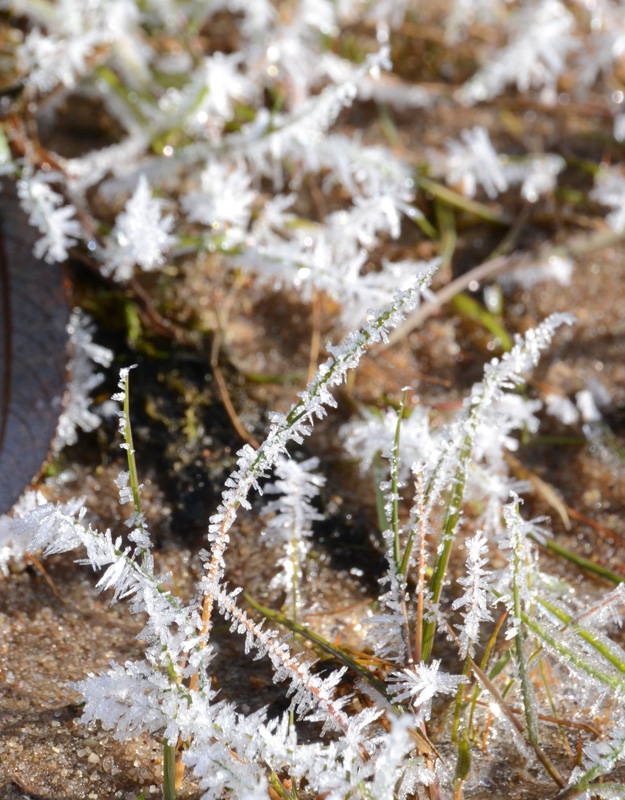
x,y
491,644
426,226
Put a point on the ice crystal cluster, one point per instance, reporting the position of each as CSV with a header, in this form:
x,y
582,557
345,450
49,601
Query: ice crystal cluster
x,y
240,148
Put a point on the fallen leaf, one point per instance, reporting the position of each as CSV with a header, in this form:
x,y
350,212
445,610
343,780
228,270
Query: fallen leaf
x,y
33,320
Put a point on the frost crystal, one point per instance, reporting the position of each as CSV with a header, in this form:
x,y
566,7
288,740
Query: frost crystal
x,y
294,514
83,380
557,268
420,684
50,60
47,212
475,600
223,201
535,57
141,235
537,175
374,433
15,535
562,408
471,163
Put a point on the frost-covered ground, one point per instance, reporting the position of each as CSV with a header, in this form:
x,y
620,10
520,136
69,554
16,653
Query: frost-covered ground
x,y
234,185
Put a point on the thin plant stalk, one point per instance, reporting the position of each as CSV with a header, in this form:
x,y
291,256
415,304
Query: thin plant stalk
x,y
130,450
499,374
173,768
466,670
552,704
169,771
392,514
418,643
583,563
393,511
449,527
527,688
319,641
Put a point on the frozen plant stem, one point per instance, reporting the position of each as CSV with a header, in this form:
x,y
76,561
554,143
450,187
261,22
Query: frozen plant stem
x,y
393,510
418,643
554,640
173,768
297,423
129,447
505,373
519,574
392,514
450,522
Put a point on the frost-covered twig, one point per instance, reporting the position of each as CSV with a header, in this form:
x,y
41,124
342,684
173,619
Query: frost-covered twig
x,y
451,469
252,466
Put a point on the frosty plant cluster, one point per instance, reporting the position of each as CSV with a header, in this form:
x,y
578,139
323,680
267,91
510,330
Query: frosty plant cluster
x,y
169,691
238,150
